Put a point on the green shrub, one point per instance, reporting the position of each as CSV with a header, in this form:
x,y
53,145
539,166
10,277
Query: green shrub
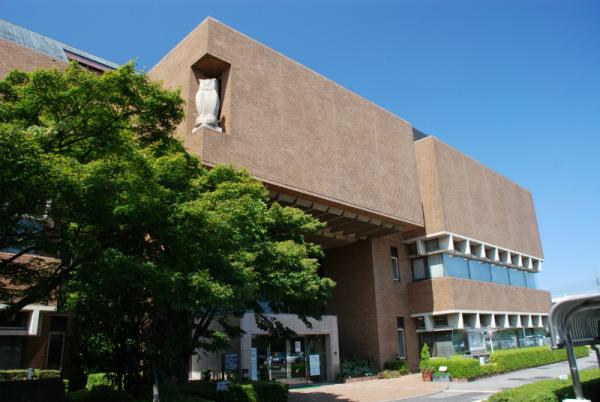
x,y
396,365
551,390
97,379
21,374
99,393
516,359
424,364
271,391
254,391
462,367
356,368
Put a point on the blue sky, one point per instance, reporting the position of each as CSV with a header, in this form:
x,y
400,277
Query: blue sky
x,y
514,84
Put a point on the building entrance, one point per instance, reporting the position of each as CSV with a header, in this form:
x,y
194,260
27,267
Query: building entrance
x,y
299,360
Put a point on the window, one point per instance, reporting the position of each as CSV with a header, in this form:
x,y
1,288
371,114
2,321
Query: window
x,y
412,249
420,322
395,271
432,245
457,267
440,321
18,320
436,265
401,346
419,269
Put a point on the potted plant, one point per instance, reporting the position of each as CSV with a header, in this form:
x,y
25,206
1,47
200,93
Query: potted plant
x,y
425,365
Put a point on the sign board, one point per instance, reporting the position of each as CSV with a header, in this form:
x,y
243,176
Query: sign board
x,y
254,370
298,346
315,365
231,361
443,369
223,386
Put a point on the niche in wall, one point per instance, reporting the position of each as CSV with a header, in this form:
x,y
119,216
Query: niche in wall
x,y
209,66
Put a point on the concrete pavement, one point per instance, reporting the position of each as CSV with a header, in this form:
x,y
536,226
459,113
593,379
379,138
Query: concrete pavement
x,y
483,388
411,388
407,386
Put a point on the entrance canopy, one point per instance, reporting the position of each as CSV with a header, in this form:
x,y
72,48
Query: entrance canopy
x,y
574,321
578,314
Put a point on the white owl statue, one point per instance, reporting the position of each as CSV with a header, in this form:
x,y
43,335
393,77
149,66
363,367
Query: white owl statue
x,y
207,104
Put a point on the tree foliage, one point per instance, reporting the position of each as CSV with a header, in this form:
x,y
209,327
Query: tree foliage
x,y
151,247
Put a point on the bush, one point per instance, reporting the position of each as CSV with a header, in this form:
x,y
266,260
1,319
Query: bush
x,y
516,359
501,361
15,375
254,391
425,357
462,367
99,393
356,368
271,391
551,390
97,379
396,365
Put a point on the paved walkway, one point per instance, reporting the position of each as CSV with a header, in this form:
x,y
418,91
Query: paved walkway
x,y
483,388
408,386
412,388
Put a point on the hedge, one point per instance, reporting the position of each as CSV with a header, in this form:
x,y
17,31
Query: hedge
x,y
463,367
502,361
552,390
254,391
13,375
516,359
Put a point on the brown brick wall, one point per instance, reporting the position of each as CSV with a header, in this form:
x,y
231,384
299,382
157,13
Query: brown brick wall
x,y
441,294
353,299
463,196
13,56
296,129
392,300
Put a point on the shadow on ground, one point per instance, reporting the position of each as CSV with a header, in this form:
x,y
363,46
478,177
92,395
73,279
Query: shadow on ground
x,y
317,397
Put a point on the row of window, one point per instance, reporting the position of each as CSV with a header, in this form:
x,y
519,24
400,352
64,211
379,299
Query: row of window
x,y
439,265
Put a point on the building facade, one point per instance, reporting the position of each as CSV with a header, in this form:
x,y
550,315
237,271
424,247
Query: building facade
x,y
425,244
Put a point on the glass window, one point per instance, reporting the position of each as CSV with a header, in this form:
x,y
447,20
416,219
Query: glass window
x,y
458,340
412,249
480,271
436,265
419,268
19,320
394,257
440,321
432,245
420,322
401,344
456,266
500,275
395,273
531,280
517,277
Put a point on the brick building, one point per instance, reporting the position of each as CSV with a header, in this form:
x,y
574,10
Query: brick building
x,y
425,244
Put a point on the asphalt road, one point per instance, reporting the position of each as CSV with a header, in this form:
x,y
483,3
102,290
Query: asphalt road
x,y
483,388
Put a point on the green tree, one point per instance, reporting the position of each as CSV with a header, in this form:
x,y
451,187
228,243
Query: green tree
x,y
151,247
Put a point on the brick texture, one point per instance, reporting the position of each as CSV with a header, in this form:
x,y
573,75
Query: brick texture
x,y
293,128
441,294
14,56
463,196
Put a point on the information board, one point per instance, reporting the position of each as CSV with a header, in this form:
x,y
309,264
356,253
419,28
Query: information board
x,y
315,365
